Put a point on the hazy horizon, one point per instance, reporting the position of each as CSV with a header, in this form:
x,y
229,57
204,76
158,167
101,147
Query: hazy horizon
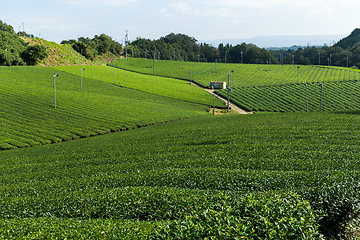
x,y
57,20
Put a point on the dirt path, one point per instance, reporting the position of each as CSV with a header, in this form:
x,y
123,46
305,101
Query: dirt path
x,y
232,106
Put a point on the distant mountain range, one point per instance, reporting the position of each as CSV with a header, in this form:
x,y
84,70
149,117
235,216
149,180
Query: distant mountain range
x,y
282,41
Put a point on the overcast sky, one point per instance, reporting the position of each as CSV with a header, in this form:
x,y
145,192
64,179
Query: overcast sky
x,y
57,20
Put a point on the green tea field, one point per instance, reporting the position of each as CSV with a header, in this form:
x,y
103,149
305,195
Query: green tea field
x,y
27,99
274,88
245,75
261,176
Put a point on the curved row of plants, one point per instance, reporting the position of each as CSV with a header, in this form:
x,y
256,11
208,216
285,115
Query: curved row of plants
x,y
28,115
244,75
261,176
333,96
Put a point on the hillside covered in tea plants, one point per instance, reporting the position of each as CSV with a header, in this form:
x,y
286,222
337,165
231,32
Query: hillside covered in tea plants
x,y
261,87
91,105
260,176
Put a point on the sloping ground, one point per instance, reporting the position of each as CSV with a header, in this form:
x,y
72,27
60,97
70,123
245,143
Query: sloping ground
x,y
161,172
64,54
28,116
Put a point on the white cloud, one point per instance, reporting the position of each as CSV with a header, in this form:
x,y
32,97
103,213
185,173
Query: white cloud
x,y
100,3
180,7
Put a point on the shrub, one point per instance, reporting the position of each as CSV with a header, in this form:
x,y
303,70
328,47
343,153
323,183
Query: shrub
x,y
34,53
257,216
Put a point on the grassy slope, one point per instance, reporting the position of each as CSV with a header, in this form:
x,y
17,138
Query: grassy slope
x,y
28,116
245,75
64,54
168,87
162,170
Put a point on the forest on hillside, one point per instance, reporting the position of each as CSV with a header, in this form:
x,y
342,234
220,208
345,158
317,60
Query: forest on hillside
x,y
345,53
15,51
181,47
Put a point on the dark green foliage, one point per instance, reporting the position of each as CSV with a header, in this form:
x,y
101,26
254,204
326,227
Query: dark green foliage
x,y
173,47
268,216
6,27
14,45
350,41
91,48
34,53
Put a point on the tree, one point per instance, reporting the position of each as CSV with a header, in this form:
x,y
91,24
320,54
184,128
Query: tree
x,y
33,53
14,45
5,27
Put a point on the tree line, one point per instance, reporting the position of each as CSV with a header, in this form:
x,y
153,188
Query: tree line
x,y
91,48
345,53
181,47
14,50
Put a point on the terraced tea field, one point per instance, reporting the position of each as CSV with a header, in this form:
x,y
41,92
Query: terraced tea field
x,y
293,172
339,96
278,88
27,101
245,75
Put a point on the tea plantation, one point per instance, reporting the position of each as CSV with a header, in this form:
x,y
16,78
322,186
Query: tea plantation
x,y
28,115
290,175
275,88
261,176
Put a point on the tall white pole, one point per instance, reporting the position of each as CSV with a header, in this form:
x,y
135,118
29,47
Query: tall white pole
x,y
54,76
81,78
